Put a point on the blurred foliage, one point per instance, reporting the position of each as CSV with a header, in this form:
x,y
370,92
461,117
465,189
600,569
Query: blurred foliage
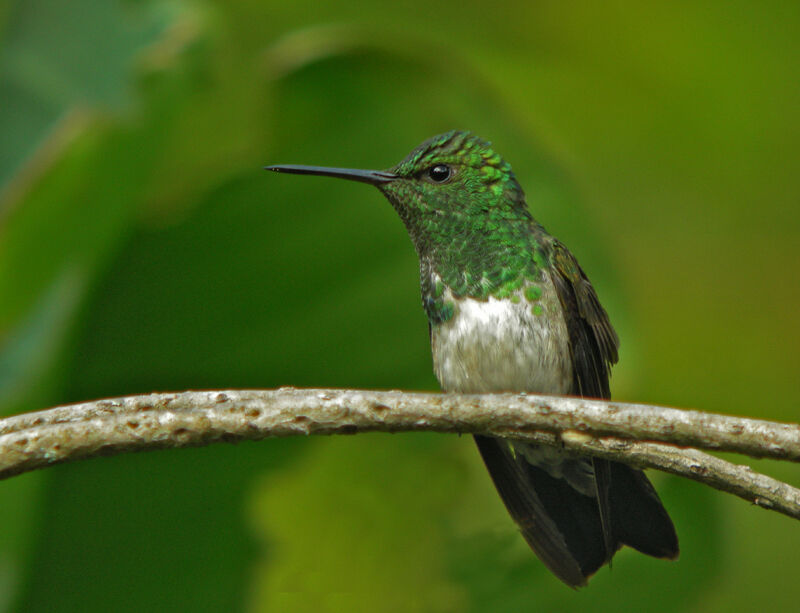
x,y
143,249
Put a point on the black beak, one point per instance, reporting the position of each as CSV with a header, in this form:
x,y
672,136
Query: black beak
x,y
373,177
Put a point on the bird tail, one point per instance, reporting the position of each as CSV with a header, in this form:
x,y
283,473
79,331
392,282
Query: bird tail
x,y
574,534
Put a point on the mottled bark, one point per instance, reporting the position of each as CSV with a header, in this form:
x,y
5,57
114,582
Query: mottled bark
x,y
642,435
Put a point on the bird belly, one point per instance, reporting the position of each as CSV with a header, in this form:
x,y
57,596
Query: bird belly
x,y
502,345
498,345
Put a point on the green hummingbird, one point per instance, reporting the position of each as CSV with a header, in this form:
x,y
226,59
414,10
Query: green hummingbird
x,y
510,310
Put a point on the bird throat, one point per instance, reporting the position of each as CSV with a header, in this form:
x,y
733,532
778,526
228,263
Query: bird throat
x,y
503,260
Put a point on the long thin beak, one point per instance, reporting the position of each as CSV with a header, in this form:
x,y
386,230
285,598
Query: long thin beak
x,y
373,177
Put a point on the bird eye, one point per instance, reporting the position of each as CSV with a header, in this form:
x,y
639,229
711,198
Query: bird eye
x,y
440,173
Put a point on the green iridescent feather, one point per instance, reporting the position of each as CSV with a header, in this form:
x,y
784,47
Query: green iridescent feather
x,y
473,234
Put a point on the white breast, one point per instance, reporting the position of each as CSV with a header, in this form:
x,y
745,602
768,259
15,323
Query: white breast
x,y
498,345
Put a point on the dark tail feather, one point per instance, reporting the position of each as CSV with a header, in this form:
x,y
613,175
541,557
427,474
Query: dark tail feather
x,y
638,518
602,481
566,528
561,525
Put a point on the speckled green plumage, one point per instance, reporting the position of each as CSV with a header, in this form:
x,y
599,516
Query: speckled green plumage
x,y
474,234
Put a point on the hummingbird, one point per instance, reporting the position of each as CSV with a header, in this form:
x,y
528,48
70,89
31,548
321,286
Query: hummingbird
x,y
510,310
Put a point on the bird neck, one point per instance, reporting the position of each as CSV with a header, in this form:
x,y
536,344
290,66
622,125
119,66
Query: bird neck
x,y
488,257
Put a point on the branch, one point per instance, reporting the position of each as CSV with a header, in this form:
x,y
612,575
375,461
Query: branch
x,y
641,435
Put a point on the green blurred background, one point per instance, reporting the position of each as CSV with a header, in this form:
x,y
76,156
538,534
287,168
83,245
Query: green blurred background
x,y
142,248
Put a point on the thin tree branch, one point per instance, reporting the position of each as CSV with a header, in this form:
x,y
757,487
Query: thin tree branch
x,y
642,435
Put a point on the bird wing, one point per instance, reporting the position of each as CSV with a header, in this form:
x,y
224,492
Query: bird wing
x,y
630,510
593,341
574,534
